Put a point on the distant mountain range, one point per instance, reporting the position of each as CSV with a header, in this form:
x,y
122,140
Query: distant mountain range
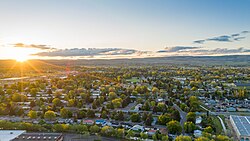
x,y
231,60
107,53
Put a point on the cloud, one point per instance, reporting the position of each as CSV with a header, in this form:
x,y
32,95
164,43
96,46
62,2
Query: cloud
x,y
239,38
88,52
217,51
244,32
201,51
42,47
224,38
199,41
221,51
177,49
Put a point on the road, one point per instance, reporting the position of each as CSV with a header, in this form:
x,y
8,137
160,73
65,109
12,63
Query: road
x,y
223,125
183,116
128,107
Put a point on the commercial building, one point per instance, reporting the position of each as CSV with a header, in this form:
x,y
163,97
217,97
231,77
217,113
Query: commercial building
x,y
39,136
7,135
241,126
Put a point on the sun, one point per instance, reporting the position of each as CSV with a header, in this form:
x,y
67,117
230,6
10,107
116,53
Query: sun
x,y
21,56
21,59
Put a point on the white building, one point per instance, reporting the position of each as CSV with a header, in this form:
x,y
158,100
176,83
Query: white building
x,y
7,135
241,125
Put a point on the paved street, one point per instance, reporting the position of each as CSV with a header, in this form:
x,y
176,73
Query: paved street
x,y
183,116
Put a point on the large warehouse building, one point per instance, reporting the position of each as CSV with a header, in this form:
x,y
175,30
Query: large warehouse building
x,y
241,125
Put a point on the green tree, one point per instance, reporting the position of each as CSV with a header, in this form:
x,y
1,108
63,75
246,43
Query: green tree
x,y
56,102
112,95
202,139
189,127
161,107
119,116
183,138
71,102
117,102
164,119
165,138
94,129
104,114
120,133
155,90
107,131
143,135
90,113
65,113
19,97
174,127
146,106
33,91
81,114
222,138
208,129
32,114
191,116
135,117
50,115
130,134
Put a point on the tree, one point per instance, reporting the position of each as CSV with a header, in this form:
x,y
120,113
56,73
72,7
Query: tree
x,y
81,114
112,96
56,102
149,120
189,127
191,116
107,131
32,104
143,135
94,106
165,138
117,102
94,129
176,115
222,138
155,90
183,138
163,119
82,129
135,117
208,129
90,113
119,116
130,134
174,127
65,113
120,133
61,127
33,91
104,114
50,115
19,97
202,139
32,114
71,102
161,107
194,103
146,106
144,116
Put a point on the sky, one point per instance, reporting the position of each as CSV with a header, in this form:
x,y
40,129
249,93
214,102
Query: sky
x,y
142,25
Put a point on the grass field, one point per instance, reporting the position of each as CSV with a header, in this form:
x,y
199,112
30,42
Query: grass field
x,y
134,80
217,125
